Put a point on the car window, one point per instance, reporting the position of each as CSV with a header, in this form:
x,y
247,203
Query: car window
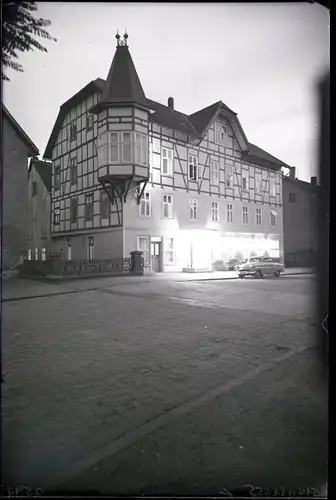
x,y
255,259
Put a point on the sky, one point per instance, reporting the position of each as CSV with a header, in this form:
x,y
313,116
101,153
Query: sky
x,y
263,61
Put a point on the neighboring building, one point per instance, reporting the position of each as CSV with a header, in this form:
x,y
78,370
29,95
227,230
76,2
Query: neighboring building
x,y
40,178
130,173
300,220
17,148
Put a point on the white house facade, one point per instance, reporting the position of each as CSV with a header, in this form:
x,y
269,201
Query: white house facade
x,y
130,173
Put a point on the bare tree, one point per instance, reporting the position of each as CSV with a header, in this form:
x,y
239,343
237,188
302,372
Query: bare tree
x,y
19,27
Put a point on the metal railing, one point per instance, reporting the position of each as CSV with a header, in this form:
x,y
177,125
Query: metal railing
x,y
117,265
80,267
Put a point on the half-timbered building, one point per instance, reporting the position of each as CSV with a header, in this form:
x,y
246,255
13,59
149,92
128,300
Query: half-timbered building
x,y
130,173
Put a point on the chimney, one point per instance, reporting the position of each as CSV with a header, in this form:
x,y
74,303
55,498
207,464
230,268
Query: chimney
x,y
313,181
170,103
292,172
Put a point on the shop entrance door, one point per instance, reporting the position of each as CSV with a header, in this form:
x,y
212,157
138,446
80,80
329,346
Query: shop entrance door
x,y
156,256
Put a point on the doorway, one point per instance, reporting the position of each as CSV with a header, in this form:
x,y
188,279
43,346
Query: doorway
x,y
156,256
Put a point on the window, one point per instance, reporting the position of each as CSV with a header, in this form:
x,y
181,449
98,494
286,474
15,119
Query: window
x,y
44,254
245,183
273,220
229,177
73,171
258,216
104,205
140,149
69,253
229,212
292,197
167,161
258,183
117,147
127,147
272,185
58,177
167,206
145,205
193,208
113,149
91,248
56,216
89,207
220,133
245,215
29,254
102,150
36,254
214,167
89,121
193,168
169,251
215,211
73,210
73,131
143,245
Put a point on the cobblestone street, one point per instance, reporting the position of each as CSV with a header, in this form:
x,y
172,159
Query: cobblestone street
x,y
89,375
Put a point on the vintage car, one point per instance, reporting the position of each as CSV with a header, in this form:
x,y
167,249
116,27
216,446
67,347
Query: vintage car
x,y
260,266
240,263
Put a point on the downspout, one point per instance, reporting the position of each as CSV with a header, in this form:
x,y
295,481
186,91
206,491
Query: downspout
x,y
123,228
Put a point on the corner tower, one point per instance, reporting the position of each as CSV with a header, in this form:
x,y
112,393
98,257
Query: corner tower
x,y
123,131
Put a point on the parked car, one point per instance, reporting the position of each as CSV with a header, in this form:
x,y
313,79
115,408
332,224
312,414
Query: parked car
x,y
261,266
234,263
240,263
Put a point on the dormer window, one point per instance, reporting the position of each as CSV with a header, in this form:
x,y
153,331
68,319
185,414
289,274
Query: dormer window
x,y
220,133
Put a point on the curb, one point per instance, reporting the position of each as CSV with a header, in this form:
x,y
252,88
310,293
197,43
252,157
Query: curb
x,y
66,292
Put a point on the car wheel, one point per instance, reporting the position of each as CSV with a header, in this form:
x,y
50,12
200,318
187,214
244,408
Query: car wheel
x,y
277,274
258,274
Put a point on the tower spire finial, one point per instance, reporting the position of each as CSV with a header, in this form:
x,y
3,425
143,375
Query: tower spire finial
x,y
118,38
125,37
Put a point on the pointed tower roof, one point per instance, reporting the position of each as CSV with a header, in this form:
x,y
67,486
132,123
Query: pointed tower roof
x,y
122,85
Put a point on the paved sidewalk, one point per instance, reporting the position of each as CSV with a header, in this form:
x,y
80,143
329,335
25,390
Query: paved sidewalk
x,y
20,288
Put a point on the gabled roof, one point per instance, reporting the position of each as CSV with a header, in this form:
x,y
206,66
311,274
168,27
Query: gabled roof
x,y
33,150
44,169
203,118
256,154
122,85
170,118
93,86
193,125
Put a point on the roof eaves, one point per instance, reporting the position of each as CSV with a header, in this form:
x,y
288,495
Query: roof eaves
x,y
33,149
255,153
